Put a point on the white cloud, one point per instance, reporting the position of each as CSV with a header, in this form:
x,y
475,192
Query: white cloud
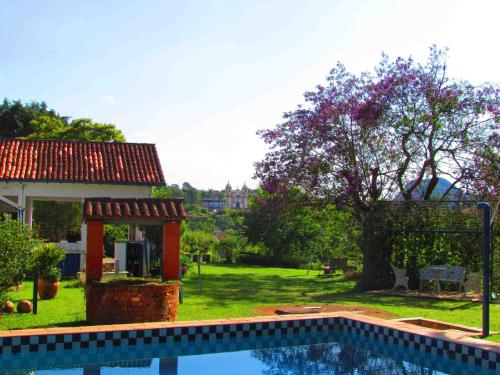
x,y
108,99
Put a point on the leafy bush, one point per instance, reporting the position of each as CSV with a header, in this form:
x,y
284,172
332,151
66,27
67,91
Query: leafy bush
x,y
268,261
227,247
45,260
187,261
197,242
113,233
17,244
155,265
52,274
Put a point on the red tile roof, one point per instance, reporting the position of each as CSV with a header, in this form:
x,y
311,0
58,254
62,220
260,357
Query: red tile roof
x,y
80,162
130,208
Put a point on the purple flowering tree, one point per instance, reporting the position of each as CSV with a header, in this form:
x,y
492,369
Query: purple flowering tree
x,y
364,138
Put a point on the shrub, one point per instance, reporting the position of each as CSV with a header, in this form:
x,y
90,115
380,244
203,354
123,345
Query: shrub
x,y
46,258
113,233
17,243
187,261
267,261
197,243
227,247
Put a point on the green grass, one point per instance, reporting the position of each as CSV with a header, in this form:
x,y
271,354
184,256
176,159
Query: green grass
x,y
234,291
67,309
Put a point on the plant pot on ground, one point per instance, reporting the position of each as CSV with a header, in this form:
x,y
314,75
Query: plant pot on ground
x,y
47,257
48,284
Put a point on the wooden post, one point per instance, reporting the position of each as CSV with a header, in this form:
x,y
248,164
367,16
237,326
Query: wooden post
x,y
171,251
95,243
35,293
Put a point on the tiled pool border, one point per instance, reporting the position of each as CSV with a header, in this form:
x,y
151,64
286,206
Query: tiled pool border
x,y
447,344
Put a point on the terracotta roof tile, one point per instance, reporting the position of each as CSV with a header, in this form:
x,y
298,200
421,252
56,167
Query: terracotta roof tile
x,y
144,208
80,162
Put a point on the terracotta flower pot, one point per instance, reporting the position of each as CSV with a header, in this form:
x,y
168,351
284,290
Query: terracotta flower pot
x,y
48,289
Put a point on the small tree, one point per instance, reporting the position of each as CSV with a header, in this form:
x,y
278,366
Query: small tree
x,y
17,244
228,246
197,243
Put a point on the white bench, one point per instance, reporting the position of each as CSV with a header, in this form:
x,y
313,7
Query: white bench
x,y
451,274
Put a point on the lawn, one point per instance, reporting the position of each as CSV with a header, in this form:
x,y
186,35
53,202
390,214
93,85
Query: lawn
x,y
234,291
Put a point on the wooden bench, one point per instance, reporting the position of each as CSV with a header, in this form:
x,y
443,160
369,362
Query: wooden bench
x,y
337,264
438,273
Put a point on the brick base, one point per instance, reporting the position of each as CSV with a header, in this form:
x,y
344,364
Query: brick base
x,y
131,302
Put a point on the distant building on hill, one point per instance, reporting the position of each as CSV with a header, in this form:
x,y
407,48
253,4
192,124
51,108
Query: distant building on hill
x,y
238,198
213,203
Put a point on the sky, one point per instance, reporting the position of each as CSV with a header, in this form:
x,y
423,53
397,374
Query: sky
x,y
199,78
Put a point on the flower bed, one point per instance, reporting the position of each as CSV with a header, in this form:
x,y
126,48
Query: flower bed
x,y
131,301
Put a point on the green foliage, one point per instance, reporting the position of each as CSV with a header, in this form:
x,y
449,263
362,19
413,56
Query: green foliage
x,y
187,262
292,230
228,247
83,129
197,242
415,235
191,194
200,219
52,274
113,233
54,220
230,221
168,191
17,244
16,118
35,121
46,257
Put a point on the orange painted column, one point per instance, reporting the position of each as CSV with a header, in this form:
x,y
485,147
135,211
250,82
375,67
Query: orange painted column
x,y
171,251
95,243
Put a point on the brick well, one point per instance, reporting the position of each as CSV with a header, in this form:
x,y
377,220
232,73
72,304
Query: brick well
x,y
131,302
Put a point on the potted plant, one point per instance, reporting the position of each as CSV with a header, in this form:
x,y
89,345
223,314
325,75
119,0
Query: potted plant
x,y
47,257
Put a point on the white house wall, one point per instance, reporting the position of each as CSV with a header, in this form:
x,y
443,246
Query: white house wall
x,y
26,192
70,192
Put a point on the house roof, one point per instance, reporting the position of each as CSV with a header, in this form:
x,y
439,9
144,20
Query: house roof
x,y
144,209
80,162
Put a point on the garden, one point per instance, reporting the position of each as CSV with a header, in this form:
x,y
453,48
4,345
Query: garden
x,y
231,291
374,169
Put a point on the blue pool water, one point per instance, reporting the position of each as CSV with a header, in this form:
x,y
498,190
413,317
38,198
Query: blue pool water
x,y
324,353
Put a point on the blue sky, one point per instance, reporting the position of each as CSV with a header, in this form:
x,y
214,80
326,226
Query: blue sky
x,y
198,78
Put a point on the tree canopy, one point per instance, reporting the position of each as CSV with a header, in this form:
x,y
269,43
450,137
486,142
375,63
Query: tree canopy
x,y
367,137
35,121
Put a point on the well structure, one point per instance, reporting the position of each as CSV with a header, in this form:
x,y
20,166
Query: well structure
x,y
131,301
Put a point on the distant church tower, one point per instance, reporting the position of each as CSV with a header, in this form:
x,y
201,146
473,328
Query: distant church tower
x,y
237,199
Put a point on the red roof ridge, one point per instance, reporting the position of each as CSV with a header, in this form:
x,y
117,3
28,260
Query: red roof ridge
x,y
163,209
73,141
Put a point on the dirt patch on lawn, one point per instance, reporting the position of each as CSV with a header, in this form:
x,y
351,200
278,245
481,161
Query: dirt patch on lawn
x,y
308,309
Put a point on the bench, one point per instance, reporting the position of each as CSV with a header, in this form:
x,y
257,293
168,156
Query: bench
x,y
337,264
438,273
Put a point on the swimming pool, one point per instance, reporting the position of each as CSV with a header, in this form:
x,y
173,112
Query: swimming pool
x,y
299,345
